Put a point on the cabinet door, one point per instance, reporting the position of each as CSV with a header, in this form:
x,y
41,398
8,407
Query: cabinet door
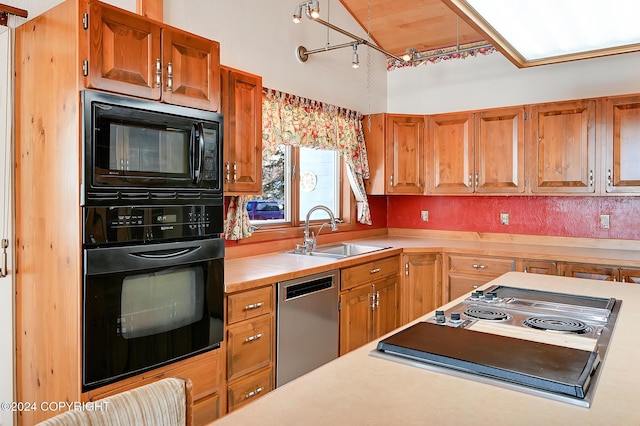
x,y
373,129
386,316
355,318
544,267
405,154
242,106
499,151
191,70
124,53
421,284
623,145
451,151
249,346
592,272
630,275
563,147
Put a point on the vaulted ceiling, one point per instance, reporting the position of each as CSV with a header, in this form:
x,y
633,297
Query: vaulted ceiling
x,y
423,25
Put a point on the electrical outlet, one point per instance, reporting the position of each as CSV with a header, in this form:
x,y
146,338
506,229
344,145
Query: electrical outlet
x,y
424,215
504,218
604,221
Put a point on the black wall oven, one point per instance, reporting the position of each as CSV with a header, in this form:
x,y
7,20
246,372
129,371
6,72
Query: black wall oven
x,y
153,256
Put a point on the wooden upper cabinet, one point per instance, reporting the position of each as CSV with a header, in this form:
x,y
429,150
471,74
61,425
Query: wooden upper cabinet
x,y
563,147
499,151
242,109
136,56
395,151
451,153
191,70
622,173
404,159
124,52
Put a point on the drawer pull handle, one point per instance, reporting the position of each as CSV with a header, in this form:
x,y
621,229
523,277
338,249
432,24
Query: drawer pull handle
x,y
374,271
254,337
254,392
254,306
476,266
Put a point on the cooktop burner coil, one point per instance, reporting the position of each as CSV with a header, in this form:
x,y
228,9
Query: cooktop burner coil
x,y
487,314
557,324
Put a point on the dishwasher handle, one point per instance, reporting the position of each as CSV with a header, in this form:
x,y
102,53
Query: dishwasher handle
x,y
308,287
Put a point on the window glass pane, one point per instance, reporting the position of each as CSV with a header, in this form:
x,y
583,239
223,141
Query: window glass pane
x,y
319,182
272,206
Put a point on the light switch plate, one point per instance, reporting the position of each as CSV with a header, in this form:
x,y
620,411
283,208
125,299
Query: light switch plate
x,y
504,218
604,221
424,215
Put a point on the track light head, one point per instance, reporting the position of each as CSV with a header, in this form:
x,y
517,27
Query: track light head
x,y
297,14
409,54
314,9
355,62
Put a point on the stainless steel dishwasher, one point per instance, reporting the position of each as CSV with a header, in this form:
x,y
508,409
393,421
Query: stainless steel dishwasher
x,y
307,324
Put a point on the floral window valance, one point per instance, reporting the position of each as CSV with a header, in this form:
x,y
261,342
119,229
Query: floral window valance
x,y
294,120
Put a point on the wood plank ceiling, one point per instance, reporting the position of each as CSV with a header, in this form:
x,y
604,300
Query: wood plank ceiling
x,y
424,25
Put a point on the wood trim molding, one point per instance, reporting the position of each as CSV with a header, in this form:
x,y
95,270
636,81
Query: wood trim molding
x,y
151,9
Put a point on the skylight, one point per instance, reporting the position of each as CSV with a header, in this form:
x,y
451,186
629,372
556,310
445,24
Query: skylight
x,y
535,32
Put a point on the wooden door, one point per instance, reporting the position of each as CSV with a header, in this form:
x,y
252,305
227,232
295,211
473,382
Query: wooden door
x,y
405,154
499,151
242,106
563,147
386,316
355,318
544,267
451,153
421,284
592,272
191,70
628,275
622,173
124,53
374,136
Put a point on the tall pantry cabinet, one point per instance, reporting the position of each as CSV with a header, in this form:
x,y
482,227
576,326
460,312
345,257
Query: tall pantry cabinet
x,y
75,45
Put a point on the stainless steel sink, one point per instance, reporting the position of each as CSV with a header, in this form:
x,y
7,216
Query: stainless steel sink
x,y
339,250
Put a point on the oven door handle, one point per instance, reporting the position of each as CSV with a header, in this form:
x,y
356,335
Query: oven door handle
x,y
164,254
197,152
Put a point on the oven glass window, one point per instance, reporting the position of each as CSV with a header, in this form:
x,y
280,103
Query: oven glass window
x,y
158,302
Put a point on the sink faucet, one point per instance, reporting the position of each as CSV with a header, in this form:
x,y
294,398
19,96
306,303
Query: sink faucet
x,y
309,241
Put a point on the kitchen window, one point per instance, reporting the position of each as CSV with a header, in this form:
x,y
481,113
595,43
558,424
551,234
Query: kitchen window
x,y
298,178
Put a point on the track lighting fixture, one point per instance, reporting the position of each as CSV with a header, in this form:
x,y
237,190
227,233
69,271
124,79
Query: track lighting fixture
x,y
355,62
312,11
409,54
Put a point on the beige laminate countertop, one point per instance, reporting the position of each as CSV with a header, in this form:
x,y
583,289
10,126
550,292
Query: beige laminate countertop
x,y
360,389
248,272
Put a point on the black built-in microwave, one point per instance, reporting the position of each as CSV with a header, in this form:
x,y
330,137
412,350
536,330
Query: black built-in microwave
x,y
149,153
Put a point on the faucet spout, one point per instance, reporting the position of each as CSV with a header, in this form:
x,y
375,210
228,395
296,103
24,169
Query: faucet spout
x,y
309,243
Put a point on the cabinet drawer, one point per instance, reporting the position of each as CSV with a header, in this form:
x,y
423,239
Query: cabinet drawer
x,y
482,265
206,410
249,389
249,304
203,375
368,272
249,347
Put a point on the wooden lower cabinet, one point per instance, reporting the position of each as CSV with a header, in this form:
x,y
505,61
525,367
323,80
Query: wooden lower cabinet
x,y
467,272
206,381
248,389
592,272
544,267
250,345
370,308
421,284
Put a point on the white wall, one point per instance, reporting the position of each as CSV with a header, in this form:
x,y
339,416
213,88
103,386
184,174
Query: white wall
x,y
493,81
259,37
6,284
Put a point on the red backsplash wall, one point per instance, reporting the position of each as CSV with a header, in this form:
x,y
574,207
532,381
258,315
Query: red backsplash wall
x,y
555,216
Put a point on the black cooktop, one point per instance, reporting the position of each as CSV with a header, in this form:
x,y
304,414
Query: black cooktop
x,y
551,368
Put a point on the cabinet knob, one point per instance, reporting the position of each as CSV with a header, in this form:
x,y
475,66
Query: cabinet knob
x,y
254,306
169,77
477,266
254,392
374,271
254,337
